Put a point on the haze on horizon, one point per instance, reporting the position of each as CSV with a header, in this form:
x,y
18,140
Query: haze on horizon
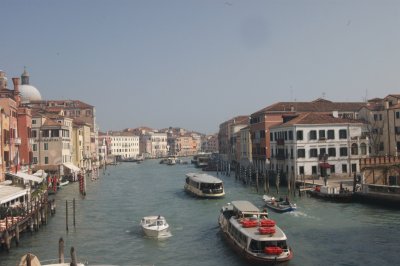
x,y
195,64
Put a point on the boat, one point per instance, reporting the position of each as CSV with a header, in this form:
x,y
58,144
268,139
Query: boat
x,y
252,234
155,226
171,161
279,205
204,185
331,193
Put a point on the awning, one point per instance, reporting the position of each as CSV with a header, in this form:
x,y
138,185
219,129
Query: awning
x,y
28,177
9,193
325,165
72,167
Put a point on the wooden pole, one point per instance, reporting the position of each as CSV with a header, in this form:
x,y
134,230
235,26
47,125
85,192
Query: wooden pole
x,y
73,257
66,215
61,250
74,212
17,234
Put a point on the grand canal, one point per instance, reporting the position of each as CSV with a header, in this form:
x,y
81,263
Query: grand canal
x,y
107,224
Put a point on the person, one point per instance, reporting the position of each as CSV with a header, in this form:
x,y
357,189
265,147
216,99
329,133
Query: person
x,y
287,199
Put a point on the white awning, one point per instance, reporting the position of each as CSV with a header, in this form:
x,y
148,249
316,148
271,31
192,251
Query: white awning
x,y
72,167
9,193
28,177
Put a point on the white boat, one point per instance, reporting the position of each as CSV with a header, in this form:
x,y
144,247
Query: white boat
x,y
252,235
171,161
155,226
204,185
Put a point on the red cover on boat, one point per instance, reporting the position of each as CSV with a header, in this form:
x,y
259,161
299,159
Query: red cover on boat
x,y
273,250
267,223
249,223
266,230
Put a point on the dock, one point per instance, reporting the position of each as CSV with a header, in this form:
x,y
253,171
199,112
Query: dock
x,y
28,217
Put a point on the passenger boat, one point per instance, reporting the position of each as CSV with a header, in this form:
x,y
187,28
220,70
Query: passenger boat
x,y
254,236
155,226
331,193
171,161
279,205
204,185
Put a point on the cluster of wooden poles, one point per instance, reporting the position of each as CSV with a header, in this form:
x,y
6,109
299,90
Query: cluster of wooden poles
x,y
256,173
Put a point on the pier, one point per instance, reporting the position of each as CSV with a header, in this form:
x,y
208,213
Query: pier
x,y
27,217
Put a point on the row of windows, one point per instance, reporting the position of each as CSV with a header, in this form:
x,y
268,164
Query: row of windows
x,y
321,134
51,133
314,152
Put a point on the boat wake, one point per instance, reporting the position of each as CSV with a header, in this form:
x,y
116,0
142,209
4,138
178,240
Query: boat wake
x,y
303,215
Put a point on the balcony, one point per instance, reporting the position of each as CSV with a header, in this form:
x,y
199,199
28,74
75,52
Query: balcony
x,y
280,142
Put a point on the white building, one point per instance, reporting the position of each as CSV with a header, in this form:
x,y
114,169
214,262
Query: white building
x,y
312,145
124,144
154,145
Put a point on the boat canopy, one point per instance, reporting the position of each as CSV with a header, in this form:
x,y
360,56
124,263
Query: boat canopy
x,y
204,178
27,177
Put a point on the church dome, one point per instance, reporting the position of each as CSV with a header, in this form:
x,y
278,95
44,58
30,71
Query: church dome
x,y
29,93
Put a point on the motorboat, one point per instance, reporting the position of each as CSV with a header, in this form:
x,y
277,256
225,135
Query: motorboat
x,y
204,185
252,234
155,226
279,205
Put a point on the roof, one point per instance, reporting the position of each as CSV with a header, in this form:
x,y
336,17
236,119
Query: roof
x,y
244,206
27,177
8,193
319,105
203,178
317,119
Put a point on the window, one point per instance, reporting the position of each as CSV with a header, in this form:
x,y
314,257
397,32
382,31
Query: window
x,y
314,170
321,134
354,167
332,169
343,134
45,146
397,130
344,168
381,147
363,149
322,151
271,136
354,149
332,152
301,170
397,115
34,134
34,160
331,134
313,135
313,153
290,135
343,151
46,160
34,147
33,121
299,134
301,153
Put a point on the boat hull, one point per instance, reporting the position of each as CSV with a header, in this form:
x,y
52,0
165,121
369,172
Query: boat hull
x,y
341,197
252,258
156,233
198,193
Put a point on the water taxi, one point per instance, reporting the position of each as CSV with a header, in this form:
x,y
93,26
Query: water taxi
x,y
204,185
279,205
155,226
252,234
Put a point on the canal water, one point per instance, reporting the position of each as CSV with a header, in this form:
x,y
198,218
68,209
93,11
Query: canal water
x,y
107,227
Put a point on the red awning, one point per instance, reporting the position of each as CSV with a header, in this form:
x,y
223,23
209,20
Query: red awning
x,y
325,165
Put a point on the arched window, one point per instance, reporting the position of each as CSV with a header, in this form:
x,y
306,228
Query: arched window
x,y
354,149
363,148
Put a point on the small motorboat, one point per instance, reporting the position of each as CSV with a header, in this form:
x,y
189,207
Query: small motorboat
x,y
155,226
279,205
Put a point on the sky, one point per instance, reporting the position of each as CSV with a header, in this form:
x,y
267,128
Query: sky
x,y
195,64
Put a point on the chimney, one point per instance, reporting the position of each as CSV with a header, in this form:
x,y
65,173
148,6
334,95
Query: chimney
x,y
17,96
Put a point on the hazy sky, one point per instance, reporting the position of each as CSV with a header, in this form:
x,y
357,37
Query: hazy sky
x,y
197,63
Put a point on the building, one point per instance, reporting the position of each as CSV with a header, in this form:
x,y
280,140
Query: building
x,y
154,145
311,145
262,120
124,145
226,136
